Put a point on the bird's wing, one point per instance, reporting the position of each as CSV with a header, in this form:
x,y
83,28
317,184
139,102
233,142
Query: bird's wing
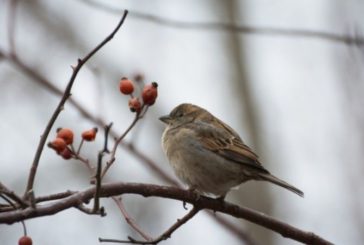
x,y
228,145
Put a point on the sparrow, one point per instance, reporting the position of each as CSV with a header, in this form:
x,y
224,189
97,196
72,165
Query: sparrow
x,y
208,155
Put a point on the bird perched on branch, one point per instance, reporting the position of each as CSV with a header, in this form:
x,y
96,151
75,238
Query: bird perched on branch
x,y
208,155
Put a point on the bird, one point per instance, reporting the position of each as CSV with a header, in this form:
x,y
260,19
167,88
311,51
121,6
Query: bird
x,y
208,155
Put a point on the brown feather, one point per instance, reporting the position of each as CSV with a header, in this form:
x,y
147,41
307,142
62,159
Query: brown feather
x,y
225,142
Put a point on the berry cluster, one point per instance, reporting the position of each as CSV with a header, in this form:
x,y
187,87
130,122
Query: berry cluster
x,y
62,144
149,94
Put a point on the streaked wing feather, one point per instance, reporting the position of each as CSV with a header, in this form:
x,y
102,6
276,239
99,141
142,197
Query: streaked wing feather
x,y
226,145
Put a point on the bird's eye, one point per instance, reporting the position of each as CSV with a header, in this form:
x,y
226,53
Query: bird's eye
x,y
179,114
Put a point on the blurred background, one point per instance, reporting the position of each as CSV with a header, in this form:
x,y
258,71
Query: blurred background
x,y
281,73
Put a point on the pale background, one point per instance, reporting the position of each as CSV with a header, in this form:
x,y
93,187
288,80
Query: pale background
x,y
296,100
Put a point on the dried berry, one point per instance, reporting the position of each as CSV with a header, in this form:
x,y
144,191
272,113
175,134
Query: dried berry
x,y
66,154
89,135
58,144
150,93
25,240
126,86
66,134
135,105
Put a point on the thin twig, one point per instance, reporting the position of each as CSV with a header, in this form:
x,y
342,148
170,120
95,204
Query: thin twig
x,y
91,211
98,181
98,176
147,190
98,184
130,220
53,197
79,147
167,234
230,27
13,205
107,134
86,162
117,142
13,196
66,95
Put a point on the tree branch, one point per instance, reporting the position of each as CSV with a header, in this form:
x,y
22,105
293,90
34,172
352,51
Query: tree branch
x,y
66,95
130,220
148,190
231,27
117,142
13,196
167,234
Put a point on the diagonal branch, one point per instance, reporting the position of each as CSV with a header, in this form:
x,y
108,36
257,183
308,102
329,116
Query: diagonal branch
x,y
148,190
11,194
167,234
66,95
129,219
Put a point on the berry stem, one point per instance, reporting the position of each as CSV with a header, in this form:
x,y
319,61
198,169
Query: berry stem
x,y
117,142
79,147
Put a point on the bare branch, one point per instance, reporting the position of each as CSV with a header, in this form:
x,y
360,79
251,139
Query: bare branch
x,y
98,175
167,234
53,197
138,116
130,220
66,95
116,144
91,211
147,190
13,196
230,27
12,205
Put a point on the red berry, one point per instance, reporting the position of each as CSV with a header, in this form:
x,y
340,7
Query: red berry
x,y
25,240
150,93
135,105
58,144
66,134
66,154
89,135
126,86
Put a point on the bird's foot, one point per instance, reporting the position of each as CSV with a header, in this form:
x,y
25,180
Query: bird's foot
x,y
195,193
221,198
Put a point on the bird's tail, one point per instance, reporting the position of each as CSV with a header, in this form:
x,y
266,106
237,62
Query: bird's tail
x,y
277,181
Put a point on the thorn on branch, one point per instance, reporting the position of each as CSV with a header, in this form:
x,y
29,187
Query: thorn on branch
x,y
185,205
107,130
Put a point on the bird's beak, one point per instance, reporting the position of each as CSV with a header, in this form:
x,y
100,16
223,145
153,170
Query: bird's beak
x,y
166,119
